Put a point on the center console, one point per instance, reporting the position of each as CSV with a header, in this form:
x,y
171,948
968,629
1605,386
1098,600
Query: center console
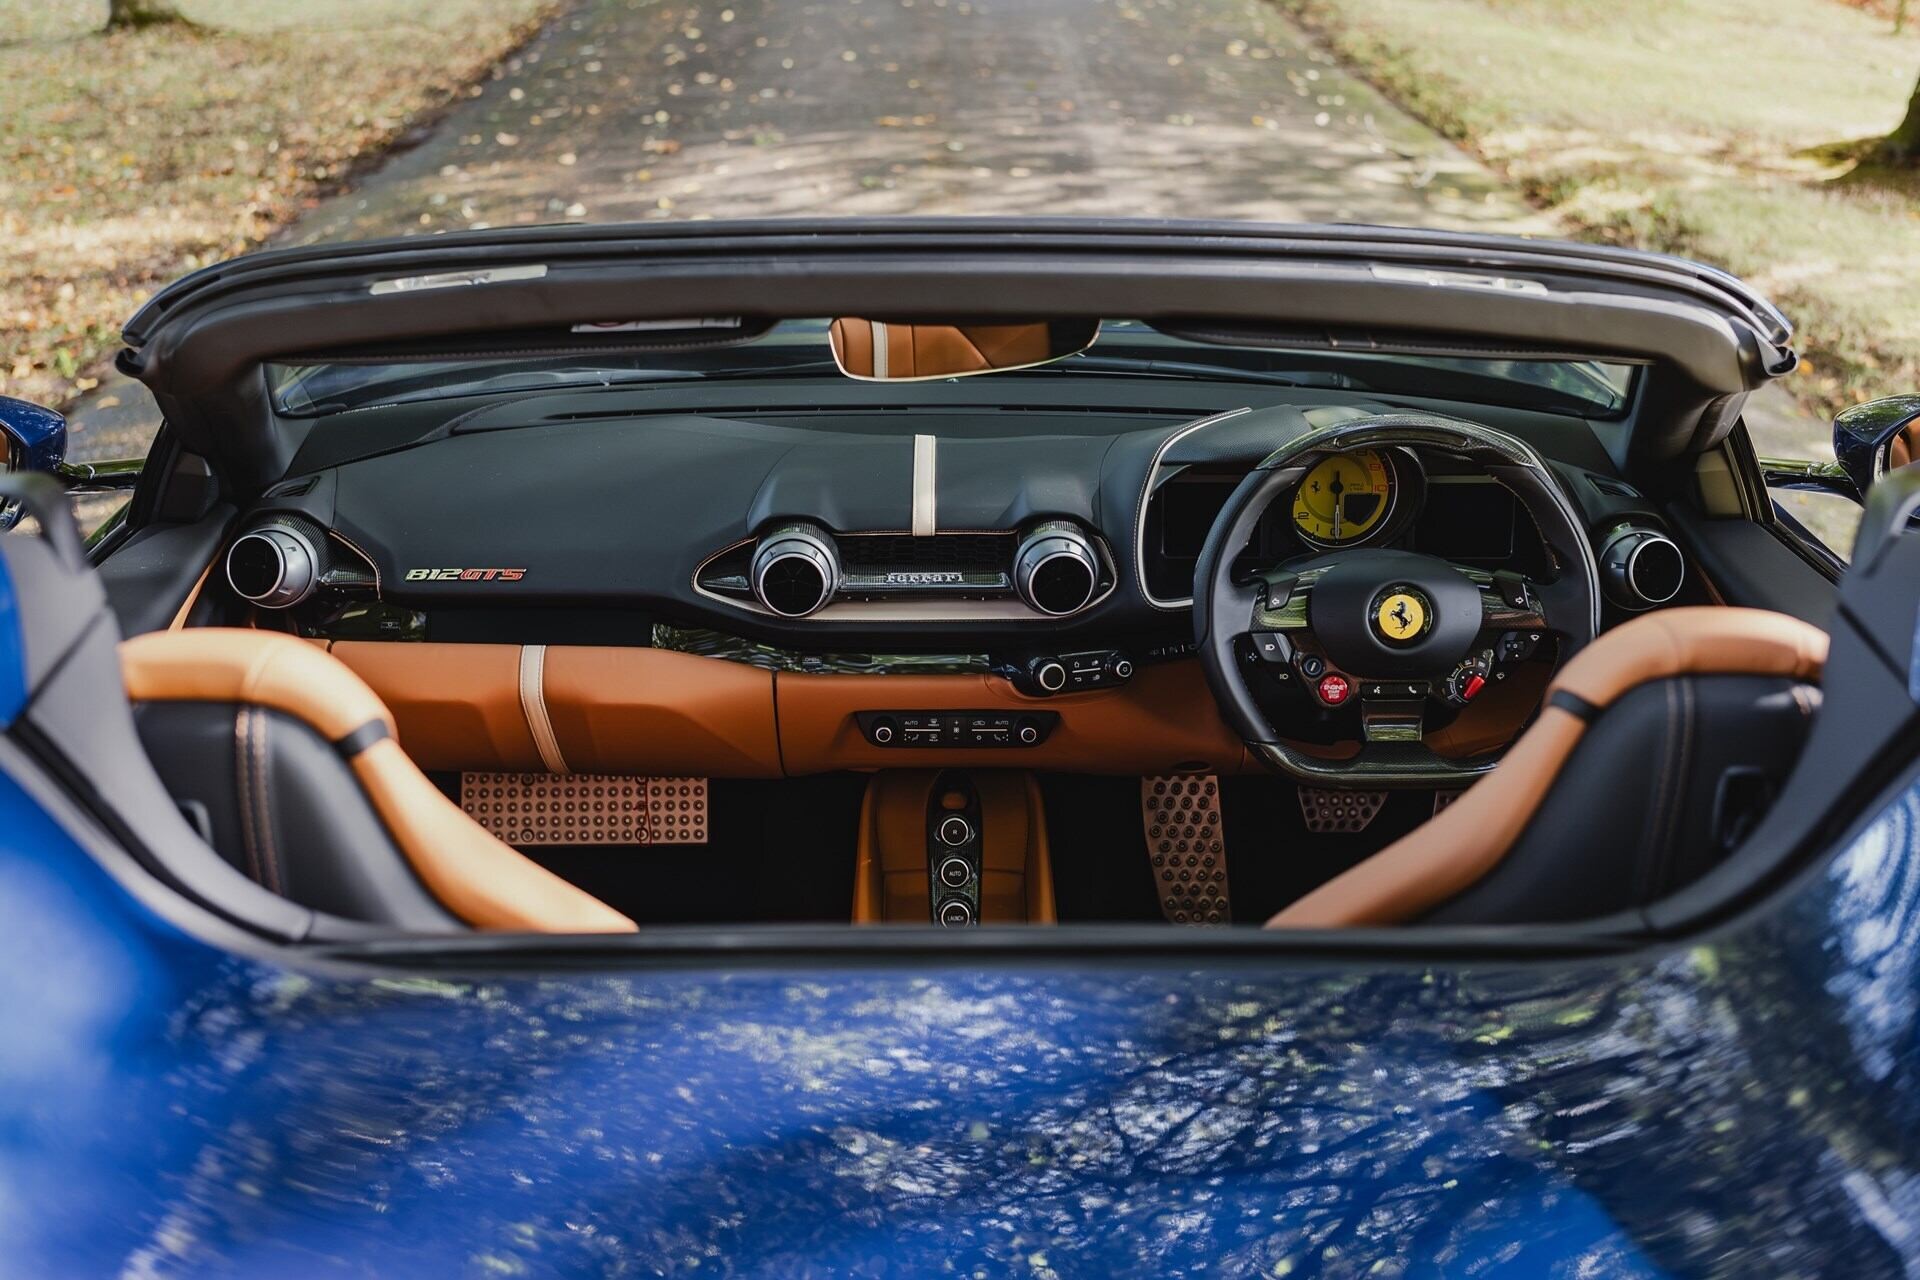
x,y
953,851
953,848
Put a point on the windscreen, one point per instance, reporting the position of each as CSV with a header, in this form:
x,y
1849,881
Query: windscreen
x,y
1122,349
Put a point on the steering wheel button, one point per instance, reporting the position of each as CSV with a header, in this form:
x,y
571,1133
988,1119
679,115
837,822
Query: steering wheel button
x,y
1472,688
1334,689
1313,666
1271,645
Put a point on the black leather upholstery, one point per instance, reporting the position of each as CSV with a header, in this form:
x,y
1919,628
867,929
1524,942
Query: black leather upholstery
x,y
280,803
1665,783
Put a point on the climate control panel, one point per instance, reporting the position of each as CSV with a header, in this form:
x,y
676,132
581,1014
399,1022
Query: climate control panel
x,y
1049,674
956,728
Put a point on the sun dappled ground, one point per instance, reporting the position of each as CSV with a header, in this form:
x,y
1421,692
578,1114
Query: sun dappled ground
x,y
1714,128
684,109
129,158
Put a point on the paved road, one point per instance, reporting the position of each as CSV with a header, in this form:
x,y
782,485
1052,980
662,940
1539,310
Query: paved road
x,y
637,109
1202,107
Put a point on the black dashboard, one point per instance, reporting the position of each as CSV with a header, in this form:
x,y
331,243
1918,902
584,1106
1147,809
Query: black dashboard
x,y
941,529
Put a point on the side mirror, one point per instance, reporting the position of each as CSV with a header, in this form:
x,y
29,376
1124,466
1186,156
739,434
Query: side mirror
x,y
1872,439
880,351
31,439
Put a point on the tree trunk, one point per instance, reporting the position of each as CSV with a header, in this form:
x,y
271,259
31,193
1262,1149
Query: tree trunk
x,y
144,13
1902,146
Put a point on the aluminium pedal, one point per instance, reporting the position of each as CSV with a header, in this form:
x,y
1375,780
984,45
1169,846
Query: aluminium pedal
x,y
1187,847
1328,811
1441,799
524,809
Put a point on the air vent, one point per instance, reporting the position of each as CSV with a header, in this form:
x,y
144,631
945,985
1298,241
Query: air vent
x,y
796,570
895,553
1613,488
293,488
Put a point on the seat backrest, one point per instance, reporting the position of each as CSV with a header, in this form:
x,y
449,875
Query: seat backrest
x,y
1658,744
288,762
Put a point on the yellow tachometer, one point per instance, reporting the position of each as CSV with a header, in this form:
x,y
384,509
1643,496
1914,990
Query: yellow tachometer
x,y
1344,498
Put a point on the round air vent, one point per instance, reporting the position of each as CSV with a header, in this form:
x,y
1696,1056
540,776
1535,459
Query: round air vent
x,y
275,566
1640,568
1056,569
795,570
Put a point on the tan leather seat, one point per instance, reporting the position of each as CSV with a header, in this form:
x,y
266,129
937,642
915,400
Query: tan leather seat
x,y
282,750
936,350
1467,843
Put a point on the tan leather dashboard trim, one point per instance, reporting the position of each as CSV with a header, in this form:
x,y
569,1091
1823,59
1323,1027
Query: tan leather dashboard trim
x,y
1163,721
1468,838
653,711
610,710
457,705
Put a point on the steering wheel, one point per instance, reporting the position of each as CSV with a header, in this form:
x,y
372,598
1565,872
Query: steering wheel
x,y
1390,630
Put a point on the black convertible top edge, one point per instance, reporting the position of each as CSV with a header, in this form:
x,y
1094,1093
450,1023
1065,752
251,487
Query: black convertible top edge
x,y
1632,269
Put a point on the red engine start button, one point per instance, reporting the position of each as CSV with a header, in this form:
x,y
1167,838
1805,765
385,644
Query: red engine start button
x,y
1334,689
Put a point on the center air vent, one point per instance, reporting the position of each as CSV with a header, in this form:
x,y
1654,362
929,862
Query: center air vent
x,y
797,569
881,553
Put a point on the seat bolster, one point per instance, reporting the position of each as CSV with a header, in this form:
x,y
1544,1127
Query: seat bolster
x,y
1701,640
484,882
1447,855
480,880
1444,857
261,668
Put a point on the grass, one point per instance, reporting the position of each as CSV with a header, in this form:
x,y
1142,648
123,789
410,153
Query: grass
x,y
128,158
1725,130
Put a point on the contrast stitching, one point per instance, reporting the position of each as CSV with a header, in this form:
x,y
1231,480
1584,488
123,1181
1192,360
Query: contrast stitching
x,y
243,788
275,881
1668,849
1654,826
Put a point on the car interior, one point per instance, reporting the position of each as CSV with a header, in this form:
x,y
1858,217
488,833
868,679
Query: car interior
x,y
1146,624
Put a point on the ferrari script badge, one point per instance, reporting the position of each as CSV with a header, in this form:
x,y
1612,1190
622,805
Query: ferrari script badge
x,y
1400,616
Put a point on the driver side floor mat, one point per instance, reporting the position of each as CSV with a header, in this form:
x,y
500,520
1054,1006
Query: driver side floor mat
x,y
1102,866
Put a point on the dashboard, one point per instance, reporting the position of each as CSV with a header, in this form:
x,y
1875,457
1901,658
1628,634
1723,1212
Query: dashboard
x,y
1018,556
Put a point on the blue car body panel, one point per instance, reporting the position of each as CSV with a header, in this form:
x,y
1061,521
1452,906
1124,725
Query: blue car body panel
x,y
1743,1107
42,433
13,651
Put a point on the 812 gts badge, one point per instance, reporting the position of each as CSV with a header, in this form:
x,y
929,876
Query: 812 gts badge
x,y
465,575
